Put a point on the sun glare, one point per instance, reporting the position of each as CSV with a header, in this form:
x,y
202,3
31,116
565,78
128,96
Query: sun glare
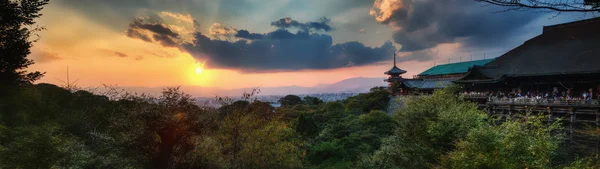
x,y
198,70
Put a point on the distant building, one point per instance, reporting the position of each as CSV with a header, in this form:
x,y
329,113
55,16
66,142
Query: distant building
x,y
395,79
433,78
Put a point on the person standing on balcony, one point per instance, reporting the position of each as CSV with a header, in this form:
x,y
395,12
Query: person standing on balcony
x,y
591,96
555,93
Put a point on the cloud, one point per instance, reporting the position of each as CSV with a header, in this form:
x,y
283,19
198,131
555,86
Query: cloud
x,y
279,50
179,17
282,33
113,53
45,56
219,30
247,35
288,22
422,55
161,33
284,51
425,24
119,54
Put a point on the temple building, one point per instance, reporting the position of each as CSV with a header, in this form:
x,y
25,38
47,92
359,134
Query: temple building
x,y
563,62
433,78
395,79
555,74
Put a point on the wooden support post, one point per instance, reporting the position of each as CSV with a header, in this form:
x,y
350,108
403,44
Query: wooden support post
x,y
527,114
550,117
573,116
597,120
510,111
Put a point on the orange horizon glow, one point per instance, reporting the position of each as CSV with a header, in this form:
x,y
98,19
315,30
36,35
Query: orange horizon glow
x,y
97,54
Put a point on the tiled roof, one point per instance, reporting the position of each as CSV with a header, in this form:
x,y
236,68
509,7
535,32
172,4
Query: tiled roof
x,y
571,48
427,83
453,68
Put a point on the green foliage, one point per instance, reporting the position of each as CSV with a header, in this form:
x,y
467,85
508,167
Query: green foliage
x,y
44,126
290,100
426,132
513,144
376,99
33,146
251,136
328,155
378,123
312,101
306,126
344,137
584,163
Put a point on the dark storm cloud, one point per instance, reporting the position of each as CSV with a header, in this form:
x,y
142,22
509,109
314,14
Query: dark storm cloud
x,y
425,24
137,35
288,22
282,32
160,32
283,51
247,35
422,55
279,50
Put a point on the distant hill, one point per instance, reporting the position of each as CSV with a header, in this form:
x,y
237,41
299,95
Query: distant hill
x,y
352,85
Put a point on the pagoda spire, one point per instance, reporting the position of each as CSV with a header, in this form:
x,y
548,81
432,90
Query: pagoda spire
x,y
394,58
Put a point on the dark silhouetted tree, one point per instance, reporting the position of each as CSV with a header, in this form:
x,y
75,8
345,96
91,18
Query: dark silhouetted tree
x,y
312,101
290,100
16,19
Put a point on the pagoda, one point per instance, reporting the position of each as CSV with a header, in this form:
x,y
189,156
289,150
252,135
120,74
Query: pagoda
x,y
395,79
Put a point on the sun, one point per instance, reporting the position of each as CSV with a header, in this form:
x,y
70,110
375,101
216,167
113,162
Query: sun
x,y
198,70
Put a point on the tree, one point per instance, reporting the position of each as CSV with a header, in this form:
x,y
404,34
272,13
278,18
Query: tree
x,y
290,100
160,130
252,135
312,101
32,146
513,144
377,99
425,132
15,19
552,5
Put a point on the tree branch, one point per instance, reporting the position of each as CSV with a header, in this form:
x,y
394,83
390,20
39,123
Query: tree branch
x,y
554,5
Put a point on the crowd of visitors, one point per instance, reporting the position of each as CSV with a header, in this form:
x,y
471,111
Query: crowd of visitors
x,y
554,96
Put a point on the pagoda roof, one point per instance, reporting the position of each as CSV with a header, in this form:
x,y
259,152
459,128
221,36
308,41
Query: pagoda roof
x,y
564,49
395,70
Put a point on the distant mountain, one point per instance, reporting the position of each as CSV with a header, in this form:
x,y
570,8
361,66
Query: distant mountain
x,y
352,85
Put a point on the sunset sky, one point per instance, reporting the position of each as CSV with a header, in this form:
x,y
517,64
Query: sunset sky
x,y
249,43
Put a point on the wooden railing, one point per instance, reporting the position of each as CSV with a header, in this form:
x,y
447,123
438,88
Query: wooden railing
x,y
532,101
543,101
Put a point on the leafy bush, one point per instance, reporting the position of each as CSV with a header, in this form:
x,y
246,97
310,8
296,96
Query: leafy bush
x,y
513,144
426,132
376,99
